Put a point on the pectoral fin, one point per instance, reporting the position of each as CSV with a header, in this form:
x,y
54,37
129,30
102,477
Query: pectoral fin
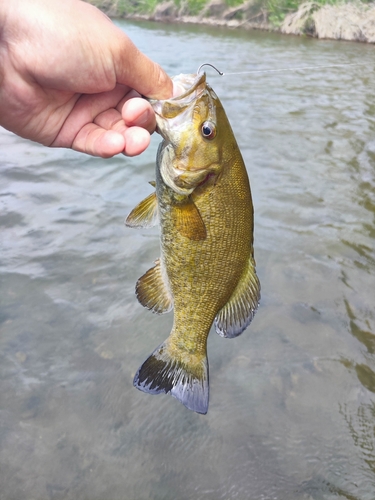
x,y
145,214
238,312
188,221
152,291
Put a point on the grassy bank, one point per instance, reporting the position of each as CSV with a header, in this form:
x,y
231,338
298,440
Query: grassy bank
x,y
274,11
333,19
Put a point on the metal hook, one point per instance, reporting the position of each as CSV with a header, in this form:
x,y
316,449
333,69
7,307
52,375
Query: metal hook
x,y
212,66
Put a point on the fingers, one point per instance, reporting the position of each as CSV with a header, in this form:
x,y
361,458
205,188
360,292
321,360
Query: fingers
x,y
84,111
138,112
113,133
97,141
108,124
137,139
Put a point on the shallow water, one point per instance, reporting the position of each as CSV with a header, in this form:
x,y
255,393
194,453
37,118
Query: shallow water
x,y
292,408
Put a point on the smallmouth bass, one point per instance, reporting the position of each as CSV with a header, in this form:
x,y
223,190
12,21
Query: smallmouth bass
x,y
206,271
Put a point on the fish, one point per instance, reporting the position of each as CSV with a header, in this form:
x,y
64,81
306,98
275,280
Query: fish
x,y
206,270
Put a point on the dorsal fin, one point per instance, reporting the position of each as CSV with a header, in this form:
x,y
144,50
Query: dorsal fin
x,y
238,312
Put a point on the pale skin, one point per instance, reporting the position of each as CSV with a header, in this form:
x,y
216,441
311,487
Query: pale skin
x,y
70,78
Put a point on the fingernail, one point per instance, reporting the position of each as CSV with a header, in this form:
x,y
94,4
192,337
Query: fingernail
x,y
143,118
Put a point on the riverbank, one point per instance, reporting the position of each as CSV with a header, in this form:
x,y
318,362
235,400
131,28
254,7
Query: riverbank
x,y
353,21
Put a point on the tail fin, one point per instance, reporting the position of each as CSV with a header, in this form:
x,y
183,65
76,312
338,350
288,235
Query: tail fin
x,y
162,372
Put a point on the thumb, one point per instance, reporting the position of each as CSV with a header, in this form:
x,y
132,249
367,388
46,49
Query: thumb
x,y
137,71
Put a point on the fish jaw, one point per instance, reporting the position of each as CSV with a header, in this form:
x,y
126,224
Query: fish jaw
x,y
175,174
194,85
187,156
173,114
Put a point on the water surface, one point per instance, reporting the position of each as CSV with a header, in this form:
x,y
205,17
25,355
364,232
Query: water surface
x,y
292,407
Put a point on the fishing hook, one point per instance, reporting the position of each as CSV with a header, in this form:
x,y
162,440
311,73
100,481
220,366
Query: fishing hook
x,y
212,66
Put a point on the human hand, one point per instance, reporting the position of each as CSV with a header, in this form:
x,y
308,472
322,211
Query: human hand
x,y
70,78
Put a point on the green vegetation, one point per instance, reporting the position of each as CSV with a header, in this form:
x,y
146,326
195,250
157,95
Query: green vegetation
x,y
274,10
278,9
233,3
190,7
120,8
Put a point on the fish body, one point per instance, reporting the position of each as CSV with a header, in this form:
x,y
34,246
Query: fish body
x,y
206,271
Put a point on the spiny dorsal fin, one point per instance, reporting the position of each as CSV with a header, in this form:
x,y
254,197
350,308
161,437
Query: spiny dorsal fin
x,y
152,291
188,221
164,372
238,312
145,214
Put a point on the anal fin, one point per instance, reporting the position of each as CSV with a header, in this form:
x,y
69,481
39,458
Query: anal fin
x,y
152,291
239,311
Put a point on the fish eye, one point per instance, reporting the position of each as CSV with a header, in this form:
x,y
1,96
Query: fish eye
x,y
208,130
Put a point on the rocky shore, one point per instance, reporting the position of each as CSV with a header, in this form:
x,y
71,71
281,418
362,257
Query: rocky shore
x,y
346,21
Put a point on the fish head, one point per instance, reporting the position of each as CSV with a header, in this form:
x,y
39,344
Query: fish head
x,y
188,123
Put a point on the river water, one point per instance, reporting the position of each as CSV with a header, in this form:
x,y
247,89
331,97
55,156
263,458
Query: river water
x,y
292,409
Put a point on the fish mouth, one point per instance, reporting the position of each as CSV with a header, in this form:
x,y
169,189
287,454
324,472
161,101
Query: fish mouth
x,y
178,122
174,112
191,83
188,82
193,86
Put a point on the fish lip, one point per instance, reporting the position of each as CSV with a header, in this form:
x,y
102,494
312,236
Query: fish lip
x,y
198,80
